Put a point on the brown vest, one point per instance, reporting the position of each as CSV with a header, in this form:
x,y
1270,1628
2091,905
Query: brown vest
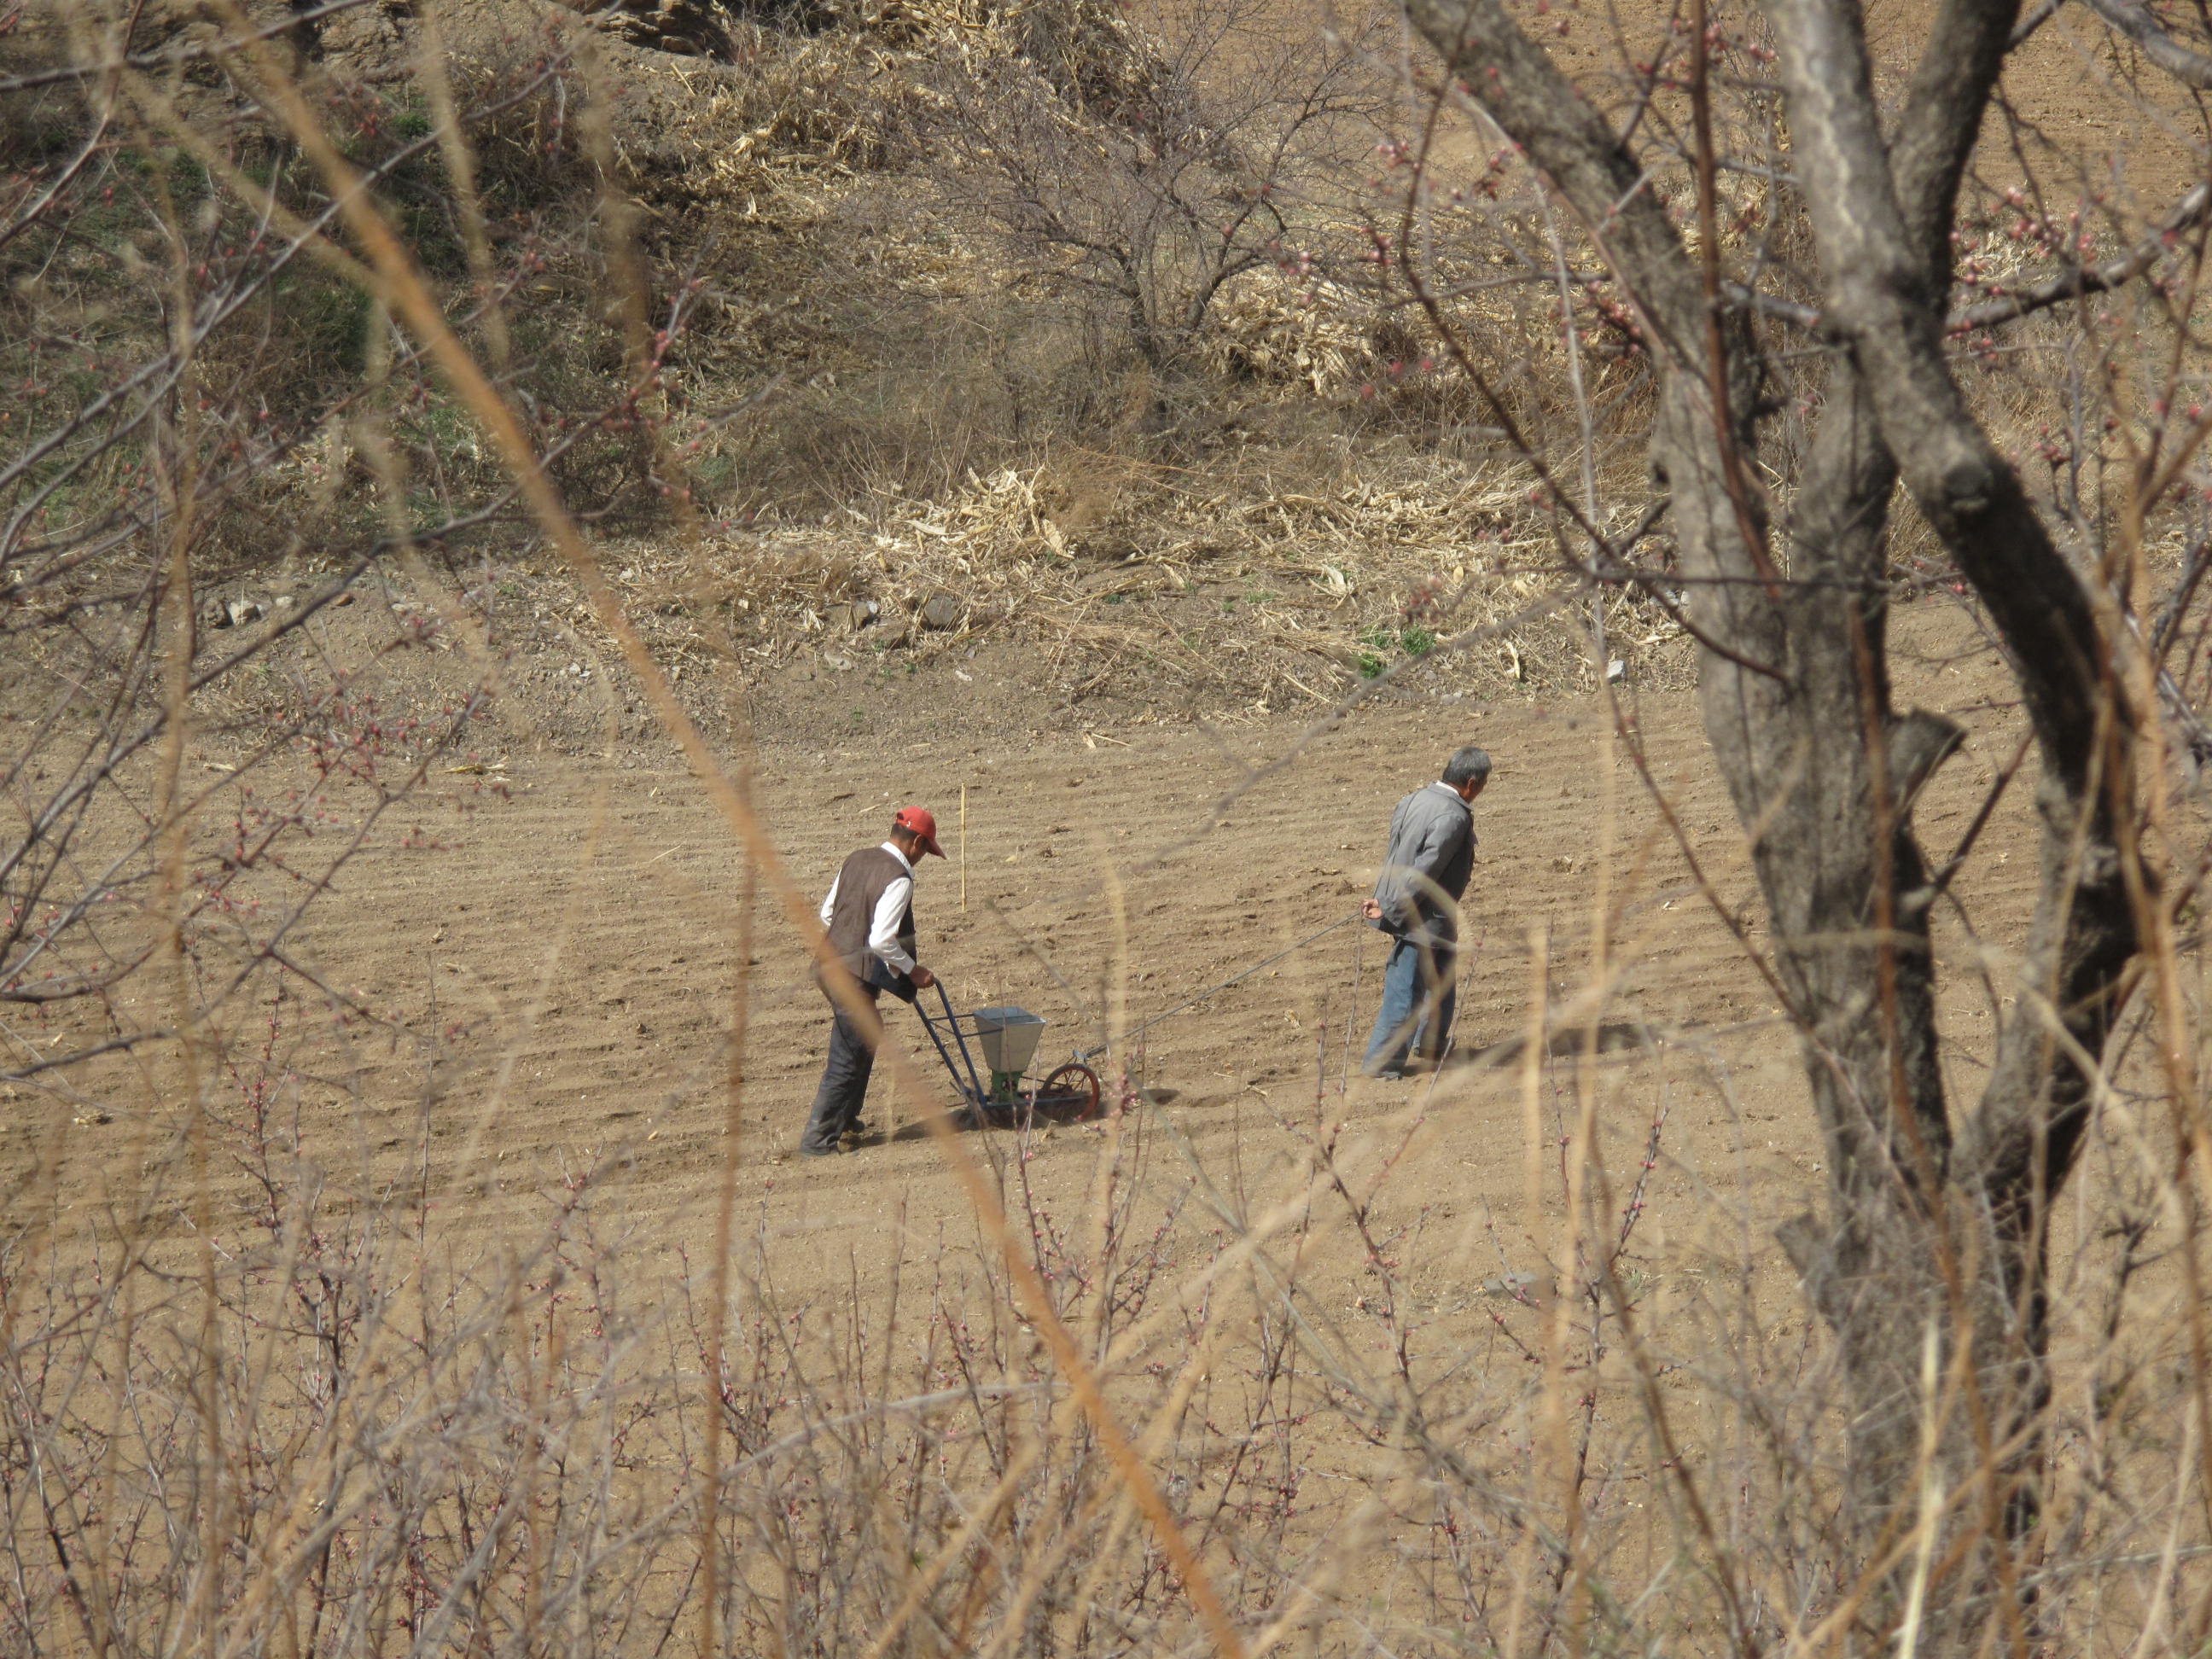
x,y
861,884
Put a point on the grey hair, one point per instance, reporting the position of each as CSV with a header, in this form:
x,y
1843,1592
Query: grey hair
x,y
1468,765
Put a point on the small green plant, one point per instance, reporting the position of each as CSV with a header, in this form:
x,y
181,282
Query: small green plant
x,y
1415,643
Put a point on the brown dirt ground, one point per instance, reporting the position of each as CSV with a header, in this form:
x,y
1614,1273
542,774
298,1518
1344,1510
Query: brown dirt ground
x,y
553,965
558,967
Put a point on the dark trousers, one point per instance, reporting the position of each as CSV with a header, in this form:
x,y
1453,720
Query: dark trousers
x,y
1421,984
844,1080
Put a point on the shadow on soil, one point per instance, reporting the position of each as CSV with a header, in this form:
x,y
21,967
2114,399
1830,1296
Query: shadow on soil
x,y
1611,1037
1046,1115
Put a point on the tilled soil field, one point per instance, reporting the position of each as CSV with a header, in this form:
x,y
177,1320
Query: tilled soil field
x,y
468,1150
545,971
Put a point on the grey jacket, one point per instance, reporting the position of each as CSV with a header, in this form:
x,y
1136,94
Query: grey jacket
x,y
1424,872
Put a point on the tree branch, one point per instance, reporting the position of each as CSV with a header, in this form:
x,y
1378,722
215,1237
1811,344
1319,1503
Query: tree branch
x,y
2088,279
2084,932
2190,211
2133,19
1521,88
2041,13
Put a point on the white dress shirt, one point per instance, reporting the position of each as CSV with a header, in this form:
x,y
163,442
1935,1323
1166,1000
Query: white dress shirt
x,y
890,910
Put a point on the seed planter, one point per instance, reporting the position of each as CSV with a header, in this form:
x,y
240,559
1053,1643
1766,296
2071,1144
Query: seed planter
x,y
1000,1044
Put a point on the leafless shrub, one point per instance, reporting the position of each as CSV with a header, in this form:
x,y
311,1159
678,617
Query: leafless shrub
x,y
1153,160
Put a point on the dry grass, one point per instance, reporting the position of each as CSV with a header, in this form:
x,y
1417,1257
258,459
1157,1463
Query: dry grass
x,y
256,1398
265,1396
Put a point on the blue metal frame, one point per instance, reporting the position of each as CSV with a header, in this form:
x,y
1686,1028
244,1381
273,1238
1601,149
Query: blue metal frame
x,y
977,1096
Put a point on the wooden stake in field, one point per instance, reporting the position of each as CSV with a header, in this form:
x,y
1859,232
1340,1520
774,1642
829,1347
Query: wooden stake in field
x,y
963,849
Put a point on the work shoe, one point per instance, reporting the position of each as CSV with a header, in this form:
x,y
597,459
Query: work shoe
x,y
820,1151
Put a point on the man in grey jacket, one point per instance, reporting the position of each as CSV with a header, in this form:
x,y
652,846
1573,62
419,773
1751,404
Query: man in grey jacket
x,y
1416,902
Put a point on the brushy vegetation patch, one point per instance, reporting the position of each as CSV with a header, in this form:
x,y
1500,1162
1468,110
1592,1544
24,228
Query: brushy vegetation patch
x,y
851,265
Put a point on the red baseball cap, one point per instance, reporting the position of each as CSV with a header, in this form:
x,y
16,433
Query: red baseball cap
x,y
917,819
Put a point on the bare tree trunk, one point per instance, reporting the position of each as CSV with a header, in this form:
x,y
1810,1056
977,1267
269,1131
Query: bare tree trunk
x,y
2023,1137
1928,1228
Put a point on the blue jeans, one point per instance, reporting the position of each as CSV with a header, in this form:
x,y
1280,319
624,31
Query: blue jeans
x,y
1420,984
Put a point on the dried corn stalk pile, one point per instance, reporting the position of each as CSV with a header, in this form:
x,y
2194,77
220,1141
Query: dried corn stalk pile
x,y
1277,599
1272,327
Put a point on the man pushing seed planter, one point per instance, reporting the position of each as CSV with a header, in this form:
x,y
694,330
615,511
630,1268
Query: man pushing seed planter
x,y
1416,902
870,916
